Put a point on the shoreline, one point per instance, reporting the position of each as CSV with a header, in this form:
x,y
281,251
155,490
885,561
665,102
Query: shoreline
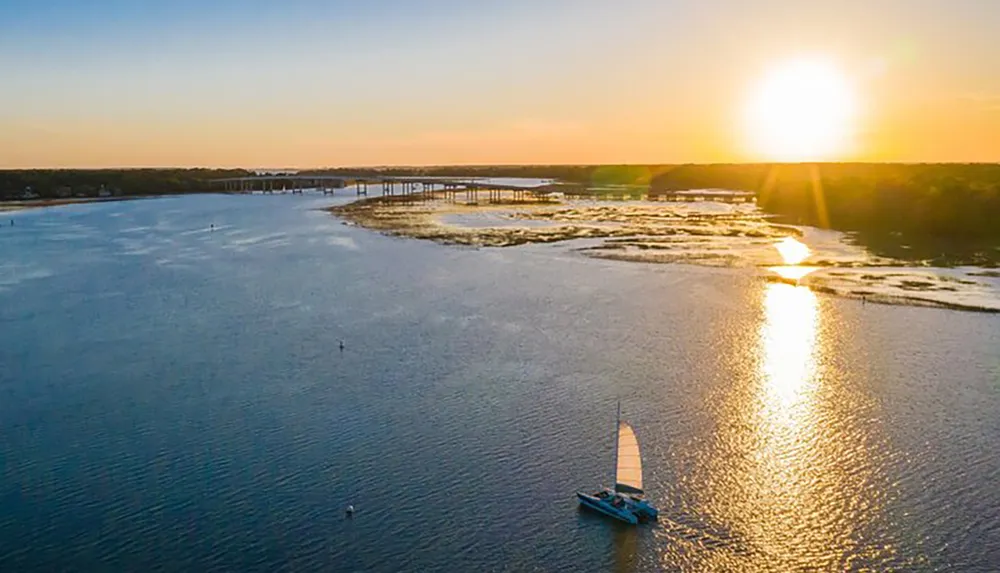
x,y
25,204
709,234
548,221
13,205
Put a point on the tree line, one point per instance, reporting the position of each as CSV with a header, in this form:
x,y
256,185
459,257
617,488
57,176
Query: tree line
x,y
948,213
61,183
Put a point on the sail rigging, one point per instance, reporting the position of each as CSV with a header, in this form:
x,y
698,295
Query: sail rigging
x,y
628,473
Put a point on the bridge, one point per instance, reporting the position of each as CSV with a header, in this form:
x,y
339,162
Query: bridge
x,y
391,185
715,195
415,188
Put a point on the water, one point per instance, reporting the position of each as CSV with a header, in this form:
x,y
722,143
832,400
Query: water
x,y
173,398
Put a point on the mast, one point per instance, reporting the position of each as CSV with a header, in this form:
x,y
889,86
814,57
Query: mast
x,y
618,425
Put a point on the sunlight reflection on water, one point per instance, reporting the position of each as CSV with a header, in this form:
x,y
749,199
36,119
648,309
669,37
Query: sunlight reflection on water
x,y
805,440
788,339
793,273
797,487
792,251
786,424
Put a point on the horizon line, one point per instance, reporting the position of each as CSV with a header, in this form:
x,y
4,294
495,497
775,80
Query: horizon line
x,y
488,165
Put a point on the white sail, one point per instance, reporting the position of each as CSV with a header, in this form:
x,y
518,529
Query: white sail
x,y
628,477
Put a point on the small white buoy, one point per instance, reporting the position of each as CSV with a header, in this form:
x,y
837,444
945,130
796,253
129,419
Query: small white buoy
x,y
350,510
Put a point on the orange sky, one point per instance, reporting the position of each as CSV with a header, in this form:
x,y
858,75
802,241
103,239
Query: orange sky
x,y
546,82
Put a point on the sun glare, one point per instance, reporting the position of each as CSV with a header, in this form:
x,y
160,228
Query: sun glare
x,y
792,251
803,110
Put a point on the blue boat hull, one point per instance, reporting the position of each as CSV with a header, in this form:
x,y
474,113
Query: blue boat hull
x,y
605,507
642,508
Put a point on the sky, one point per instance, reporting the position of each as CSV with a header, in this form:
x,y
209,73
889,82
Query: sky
x,y
309,83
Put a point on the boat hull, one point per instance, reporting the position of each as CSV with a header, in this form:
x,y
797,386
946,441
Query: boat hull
x,y
603,506
642,508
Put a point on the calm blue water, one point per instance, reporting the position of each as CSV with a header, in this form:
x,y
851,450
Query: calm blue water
x,y
173,398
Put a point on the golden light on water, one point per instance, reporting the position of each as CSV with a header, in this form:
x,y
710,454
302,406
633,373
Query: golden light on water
x,y
793,273
788,338
787,423
792,251
788,471
802,110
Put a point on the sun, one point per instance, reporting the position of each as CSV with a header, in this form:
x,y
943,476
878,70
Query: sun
x,y
802,110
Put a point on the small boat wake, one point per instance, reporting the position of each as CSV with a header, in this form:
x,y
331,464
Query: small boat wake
x,y
701,534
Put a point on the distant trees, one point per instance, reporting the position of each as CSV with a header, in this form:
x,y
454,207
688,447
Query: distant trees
x,y
948,213
57,183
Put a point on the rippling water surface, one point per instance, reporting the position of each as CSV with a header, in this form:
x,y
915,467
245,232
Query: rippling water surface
x,y
173,398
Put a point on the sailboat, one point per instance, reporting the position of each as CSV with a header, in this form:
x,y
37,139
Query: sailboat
x,y
625,501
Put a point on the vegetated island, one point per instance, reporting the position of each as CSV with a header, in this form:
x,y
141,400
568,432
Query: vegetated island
x,y
728,234
937,214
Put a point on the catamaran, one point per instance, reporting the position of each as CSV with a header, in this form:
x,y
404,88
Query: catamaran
x,y
625,501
